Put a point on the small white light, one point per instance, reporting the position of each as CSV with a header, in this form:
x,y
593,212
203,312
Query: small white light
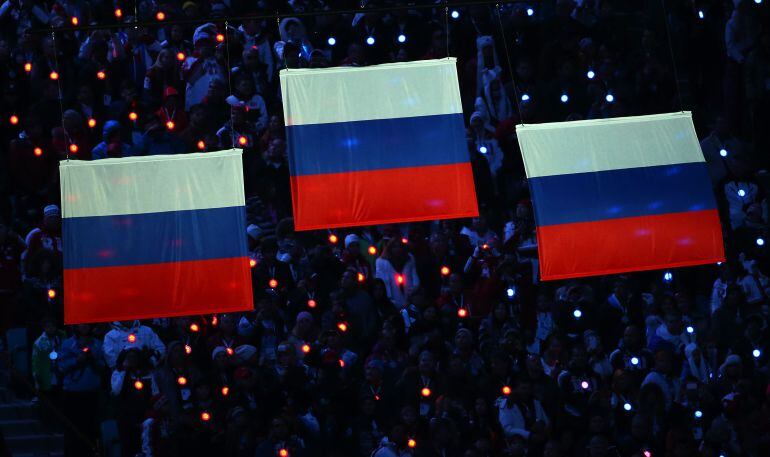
x,y
627,406
756,353
332,41
483,149
634,361
590,74
370,40
700,14
510,292
668,276
741,193
698,414
584,385
455,14
690,329
610,98
530,12
577,313
401,38
723,152
758,2
564,98
524,97
760,241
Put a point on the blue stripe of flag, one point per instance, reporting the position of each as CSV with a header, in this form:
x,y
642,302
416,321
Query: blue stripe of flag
x,y
613,194
377,144
137,239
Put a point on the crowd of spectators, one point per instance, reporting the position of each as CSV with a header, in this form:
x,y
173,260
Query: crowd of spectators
x,y
424,339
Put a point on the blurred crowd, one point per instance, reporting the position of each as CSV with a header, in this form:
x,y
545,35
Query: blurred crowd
x,y
424,339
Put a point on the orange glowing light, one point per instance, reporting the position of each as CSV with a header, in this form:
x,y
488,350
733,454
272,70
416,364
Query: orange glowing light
x,y
170,125
220,38
485,246
118,13
38,151
182,381
85,349
92,122
404,240
205,416
53,75
242,140
131,338
28,67
283,453
180,56
272,283
506,390
138,385
361,277
372,250
252,263
462,312
74,20
225,391
160,15
194,327
311,303
51,293
411,443
201,146
445,271
73,148
187,349
101,74
132,116
425,392
400,280
342,363
14,119
305,348
214,320
333,239
230,351
342,326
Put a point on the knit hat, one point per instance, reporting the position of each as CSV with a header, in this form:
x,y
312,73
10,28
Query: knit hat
x,y
51,211
352,238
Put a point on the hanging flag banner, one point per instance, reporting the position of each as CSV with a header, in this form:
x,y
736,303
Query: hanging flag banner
x,y
154,236
619,195
375,145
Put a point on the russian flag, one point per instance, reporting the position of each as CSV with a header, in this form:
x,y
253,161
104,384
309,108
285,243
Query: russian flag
x,y
619,195
376,145
154,236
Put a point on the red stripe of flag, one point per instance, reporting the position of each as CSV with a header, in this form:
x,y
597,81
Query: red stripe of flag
x,y
630,244
383,196
146,291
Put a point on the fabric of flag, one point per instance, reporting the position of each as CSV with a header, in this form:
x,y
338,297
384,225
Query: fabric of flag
x,y
619,195
154,236
376,145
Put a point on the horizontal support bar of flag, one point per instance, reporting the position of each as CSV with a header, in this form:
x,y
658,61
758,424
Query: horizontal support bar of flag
x,y
160,290
630,244
595,145
383,196
387,91
150,238
588,197
151,184
377,145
